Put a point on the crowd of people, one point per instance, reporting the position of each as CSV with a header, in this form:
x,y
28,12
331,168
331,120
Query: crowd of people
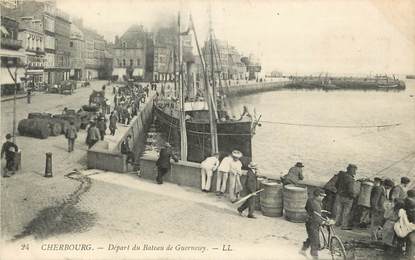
x,y
390,204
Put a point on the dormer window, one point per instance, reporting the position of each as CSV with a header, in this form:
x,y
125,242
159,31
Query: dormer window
x,y
124,45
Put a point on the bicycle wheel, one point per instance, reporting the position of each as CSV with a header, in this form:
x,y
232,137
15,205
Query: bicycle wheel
x,y
337,250
323,238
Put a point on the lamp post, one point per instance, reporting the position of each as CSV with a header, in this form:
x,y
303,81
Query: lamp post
x,y
15,62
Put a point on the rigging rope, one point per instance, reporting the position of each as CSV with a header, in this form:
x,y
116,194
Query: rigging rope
x,y
330,126
393,164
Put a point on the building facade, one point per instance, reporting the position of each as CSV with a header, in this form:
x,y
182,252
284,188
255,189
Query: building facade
x,y
77,50
12,56
56,33
63,51
226,60
32,37
129,54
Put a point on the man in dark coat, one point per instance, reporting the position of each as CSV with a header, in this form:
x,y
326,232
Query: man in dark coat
x,y
9,149
377,201
102,126
294,175
313,222
126,148
345,195
250,187
330,189
163,162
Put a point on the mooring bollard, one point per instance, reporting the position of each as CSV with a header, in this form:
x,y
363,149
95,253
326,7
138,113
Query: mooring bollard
x,y
48,167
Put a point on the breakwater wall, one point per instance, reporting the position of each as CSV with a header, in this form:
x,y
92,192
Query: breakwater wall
x,y
102,157
188,174
256,87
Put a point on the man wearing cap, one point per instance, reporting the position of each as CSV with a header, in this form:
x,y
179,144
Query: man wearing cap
x,y
294,175
399,191
9,148
235,171
71,134
93,135
163,162
345,196
313,222
102,126
208,166
250,187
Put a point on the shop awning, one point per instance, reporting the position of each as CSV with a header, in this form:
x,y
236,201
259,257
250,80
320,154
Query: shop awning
x,y
5,77
34,71
11,54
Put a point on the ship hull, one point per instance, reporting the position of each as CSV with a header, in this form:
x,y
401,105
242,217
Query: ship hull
x,y
231,135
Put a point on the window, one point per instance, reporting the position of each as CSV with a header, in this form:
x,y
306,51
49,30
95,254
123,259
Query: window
x,y
131,63
71,44
124,45
138,62
123,62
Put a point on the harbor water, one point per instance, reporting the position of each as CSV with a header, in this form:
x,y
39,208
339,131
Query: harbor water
x,y
327,130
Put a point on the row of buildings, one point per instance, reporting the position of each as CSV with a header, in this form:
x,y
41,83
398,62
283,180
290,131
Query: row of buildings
x,y
42,44
45,44
152,56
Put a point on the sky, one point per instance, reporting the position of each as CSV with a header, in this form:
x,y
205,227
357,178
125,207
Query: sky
x,y
297,36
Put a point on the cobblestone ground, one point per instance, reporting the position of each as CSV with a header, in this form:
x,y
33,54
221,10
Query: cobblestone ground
x,y
131,211
27,192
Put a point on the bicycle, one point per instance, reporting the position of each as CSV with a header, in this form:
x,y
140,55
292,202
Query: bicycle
x,y
328,238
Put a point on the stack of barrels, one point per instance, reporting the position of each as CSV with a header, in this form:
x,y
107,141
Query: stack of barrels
x,y
43,125
34,127
277,200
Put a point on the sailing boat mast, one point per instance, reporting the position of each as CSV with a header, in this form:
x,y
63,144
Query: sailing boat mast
x,y
212,98
182,117
208,94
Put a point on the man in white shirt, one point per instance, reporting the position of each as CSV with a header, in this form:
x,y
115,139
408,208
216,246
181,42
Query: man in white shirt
x,y
222,175
208,166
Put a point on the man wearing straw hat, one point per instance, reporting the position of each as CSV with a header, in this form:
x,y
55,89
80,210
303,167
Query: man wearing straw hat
x,y
235,171
224,169
250,186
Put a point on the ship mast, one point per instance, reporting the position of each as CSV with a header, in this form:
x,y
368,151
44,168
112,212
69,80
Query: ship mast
x,y
213,116
182,117
211,105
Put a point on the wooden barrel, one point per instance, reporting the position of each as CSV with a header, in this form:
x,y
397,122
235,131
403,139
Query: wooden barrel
x,y
39,115
295,199
259,185
364,196
55,128
271,199
34,127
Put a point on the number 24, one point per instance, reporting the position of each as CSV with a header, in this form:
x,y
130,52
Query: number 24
x,y
24,247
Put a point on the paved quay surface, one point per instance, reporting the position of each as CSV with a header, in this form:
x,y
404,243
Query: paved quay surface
x,y
125,210
27,192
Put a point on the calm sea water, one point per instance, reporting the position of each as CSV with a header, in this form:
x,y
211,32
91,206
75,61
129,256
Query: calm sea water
x,y
326,150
